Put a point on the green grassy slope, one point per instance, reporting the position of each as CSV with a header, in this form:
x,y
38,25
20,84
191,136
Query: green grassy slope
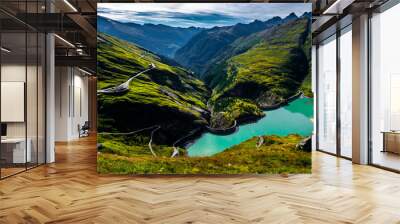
x,y
167,95
266,67
306,85
276,155
277,63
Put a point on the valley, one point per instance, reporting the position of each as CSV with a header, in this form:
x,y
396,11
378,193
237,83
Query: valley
x,y
248,70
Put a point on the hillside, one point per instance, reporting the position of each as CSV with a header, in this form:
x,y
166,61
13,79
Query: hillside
x,y
275,155
266,68
160,39
204,49
165,95
274,62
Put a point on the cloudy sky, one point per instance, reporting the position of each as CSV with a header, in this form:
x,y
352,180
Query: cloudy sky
x,y
198,14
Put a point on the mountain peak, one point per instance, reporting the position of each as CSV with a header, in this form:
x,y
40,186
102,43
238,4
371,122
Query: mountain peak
x,y
306,15
256,23
276,18
291,16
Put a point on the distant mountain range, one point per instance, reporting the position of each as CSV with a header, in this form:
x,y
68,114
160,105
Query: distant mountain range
x,y
173,42
203,49
160,39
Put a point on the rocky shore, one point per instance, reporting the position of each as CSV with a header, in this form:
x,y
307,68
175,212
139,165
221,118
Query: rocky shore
x,y
281,103
223,131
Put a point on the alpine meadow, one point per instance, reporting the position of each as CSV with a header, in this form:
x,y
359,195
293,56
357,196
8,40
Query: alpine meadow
x,y
209,88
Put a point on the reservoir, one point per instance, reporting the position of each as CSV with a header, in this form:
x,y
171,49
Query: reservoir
x,y
295,118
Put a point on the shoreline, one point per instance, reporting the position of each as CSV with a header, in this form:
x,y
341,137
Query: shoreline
x,y
223,131
283,102
252,119
246,120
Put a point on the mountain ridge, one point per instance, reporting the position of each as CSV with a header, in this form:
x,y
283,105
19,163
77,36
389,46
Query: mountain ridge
x,y
266,67
200,52
161,39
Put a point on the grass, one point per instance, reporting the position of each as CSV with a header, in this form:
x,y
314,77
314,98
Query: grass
x,y
278,63
119,60
306,86
167,92
276,155
133,146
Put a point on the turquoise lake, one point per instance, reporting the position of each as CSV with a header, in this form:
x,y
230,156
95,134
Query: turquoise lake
x,y
295,118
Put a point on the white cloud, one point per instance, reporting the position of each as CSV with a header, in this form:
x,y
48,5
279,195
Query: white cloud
x,y
244,12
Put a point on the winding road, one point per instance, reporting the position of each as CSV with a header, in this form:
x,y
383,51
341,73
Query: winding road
x,y
124,87
155,127
151,140
128,133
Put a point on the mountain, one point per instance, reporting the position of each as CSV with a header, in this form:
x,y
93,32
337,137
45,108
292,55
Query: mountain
x,y
261,70
160,39
203,49
163,94
248,67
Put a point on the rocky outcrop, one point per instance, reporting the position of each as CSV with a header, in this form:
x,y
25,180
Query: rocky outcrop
x,y
269,100
223,131
220,120
305,144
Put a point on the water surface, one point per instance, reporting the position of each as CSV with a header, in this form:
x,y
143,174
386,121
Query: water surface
x,y
294,118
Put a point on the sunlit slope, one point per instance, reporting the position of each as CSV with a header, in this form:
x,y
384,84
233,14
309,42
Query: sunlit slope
x,y
203,50
165,95
268,71
260,71
275,155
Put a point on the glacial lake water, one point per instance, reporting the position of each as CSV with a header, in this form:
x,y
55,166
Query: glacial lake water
x,y
295,118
